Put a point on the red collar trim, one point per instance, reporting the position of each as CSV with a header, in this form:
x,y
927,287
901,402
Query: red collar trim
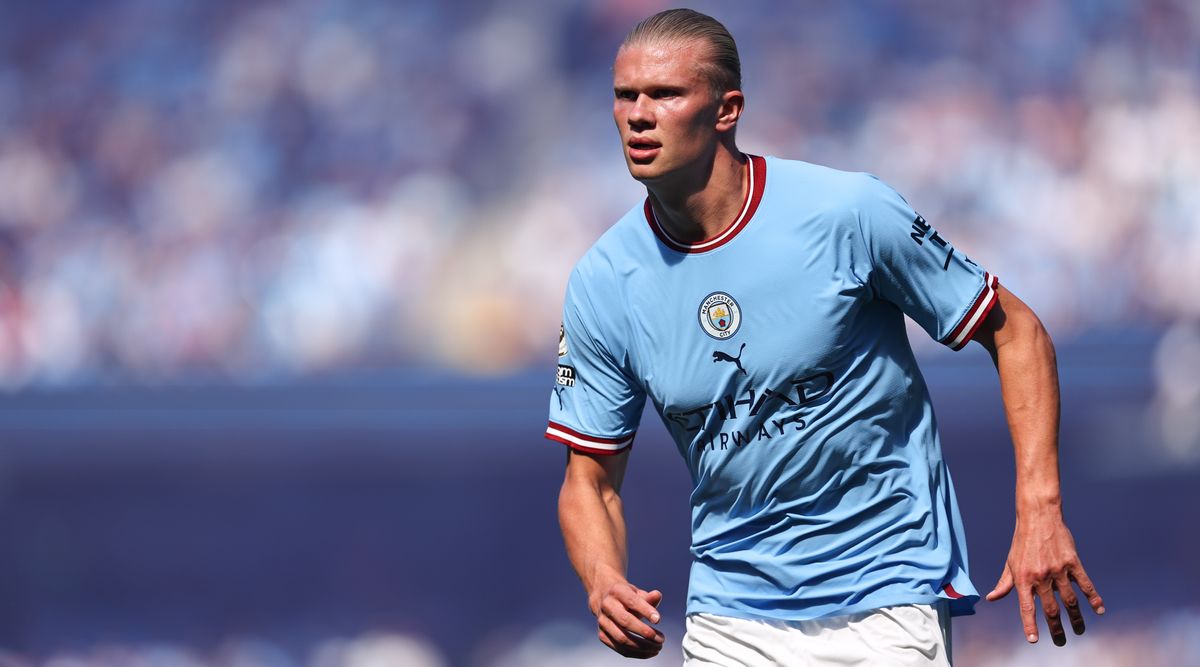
x,y
758,182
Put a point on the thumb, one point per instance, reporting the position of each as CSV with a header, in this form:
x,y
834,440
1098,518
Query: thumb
x,y
1002,587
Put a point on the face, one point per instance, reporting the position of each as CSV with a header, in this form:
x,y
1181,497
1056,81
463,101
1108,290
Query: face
x,y
664,108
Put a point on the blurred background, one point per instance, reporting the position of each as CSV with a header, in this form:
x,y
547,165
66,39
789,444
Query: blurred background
x,y
280,287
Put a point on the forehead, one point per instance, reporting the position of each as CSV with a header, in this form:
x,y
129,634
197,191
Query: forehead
x,y
676,62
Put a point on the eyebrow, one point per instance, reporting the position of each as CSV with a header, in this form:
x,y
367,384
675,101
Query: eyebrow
x,y
650,90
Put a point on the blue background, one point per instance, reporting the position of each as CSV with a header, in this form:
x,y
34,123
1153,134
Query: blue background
x,y
280,288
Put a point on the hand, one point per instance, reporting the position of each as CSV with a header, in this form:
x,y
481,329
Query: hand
x,y
620,611
1043,561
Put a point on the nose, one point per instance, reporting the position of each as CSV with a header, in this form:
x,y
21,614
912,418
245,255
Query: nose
x,y
641,116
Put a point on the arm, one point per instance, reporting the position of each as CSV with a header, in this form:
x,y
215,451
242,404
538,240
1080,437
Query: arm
x,y
593,527
1042,559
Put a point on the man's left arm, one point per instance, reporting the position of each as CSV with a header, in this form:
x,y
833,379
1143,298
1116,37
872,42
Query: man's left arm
x,y
1042,560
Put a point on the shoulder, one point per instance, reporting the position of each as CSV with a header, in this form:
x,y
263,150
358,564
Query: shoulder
x,y
840,200
598,271
826,186
595,304
618,247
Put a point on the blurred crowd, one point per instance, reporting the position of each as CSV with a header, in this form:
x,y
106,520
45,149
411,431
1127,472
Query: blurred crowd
x,y
1169,640
250,190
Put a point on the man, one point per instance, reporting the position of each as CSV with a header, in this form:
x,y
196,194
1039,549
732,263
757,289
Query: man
x,y
824,522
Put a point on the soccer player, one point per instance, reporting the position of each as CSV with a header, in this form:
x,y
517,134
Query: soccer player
x,y
759,304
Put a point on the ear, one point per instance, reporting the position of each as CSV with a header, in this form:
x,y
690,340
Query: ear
x,y
729,110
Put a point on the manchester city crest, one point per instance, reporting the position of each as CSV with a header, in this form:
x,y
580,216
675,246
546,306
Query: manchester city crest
x,y
720,315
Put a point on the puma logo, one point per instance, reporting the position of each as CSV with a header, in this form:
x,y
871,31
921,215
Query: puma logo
x,y
737,361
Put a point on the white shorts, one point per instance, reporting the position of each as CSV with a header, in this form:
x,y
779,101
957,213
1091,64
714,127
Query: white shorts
x,y
912,634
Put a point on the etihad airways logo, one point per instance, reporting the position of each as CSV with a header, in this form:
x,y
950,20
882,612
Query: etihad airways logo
x,y
762,414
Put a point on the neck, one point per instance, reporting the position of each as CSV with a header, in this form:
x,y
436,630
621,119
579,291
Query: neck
x,y
700,203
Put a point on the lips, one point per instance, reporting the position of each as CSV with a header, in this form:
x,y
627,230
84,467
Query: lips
x,y
643,149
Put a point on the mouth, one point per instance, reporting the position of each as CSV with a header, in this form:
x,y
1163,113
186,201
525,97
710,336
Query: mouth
x,y
642,150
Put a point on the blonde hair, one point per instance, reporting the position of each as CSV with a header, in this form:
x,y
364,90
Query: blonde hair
x,y
723,68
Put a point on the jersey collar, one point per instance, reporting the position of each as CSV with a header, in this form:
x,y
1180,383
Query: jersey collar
x,y
758,181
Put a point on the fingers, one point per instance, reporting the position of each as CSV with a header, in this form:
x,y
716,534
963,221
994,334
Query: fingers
x,y
1049,588
624,615
1025,603
1075,571
1002,587
1041,566
644,604
653,597
1050,609
620,624
1067,593
622,642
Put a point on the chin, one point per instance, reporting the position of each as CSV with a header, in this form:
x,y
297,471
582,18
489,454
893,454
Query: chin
x,y
645,172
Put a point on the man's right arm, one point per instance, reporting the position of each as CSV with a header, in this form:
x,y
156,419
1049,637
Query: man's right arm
x,y
593,527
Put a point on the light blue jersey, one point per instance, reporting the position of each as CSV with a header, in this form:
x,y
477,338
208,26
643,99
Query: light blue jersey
x,y
776,355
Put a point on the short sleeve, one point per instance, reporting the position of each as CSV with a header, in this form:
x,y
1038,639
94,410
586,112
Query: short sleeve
x,y
596,404
914,267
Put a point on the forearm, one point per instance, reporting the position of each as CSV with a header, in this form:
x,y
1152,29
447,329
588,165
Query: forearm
x,y
1028,371
593,527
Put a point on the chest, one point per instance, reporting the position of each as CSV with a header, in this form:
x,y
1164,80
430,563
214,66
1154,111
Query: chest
x,y
724,333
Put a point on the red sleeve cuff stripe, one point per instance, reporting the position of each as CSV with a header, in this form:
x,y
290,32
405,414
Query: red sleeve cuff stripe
x,y
588,438
583,448
975,315
586,442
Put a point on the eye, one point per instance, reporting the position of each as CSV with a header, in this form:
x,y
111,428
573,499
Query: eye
x,y
626,95
665,93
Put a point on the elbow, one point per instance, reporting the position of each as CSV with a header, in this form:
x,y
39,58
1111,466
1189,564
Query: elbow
x,y
1025,338
1031,330
1043,340
1012,322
